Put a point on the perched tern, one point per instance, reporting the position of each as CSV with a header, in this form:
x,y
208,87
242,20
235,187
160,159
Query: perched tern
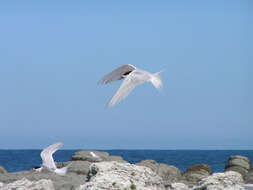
x,y
132,77
48,161
97,158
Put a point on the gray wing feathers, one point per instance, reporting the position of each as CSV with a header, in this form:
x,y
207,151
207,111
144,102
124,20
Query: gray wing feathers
x,y
126,87
116,74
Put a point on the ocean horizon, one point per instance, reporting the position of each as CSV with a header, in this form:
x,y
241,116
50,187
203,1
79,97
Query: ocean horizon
x,y
14,160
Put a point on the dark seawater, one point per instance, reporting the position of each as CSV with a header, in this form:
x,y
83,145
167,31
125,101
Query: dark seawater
x,y
18,160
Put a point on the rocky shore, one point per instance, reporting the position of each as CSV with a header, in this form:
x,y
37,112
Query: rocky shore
x,y
114,173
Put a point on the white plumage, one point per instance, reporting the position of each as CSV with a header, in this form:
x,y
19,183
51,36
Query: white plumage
x,y
48,161
132,77
97,158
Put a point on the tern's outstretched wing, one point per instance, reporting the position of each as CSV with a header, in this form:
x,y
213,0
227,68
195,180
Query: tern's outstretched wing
x,y
117,74
130,82
47,155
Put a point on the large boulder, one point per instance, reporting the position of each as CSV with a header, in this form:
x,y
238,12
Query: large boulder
x,y
221,181
238,160
115,175
25,184
195,173
2,170
85,155
240,164
169,173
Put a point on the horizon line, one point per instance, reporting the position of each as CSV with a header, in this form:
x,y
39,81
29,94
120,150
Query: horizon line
x,y
140,149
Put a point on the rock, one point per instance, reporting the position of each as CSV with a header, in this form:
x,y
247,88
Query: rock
x,y
116,158
238,160
221,181
25,184
152,164
177,186
238,169
248,178
239,164
115,175
195,173
2,170
76,167
85,155
79,167
67,182
205,168
169,173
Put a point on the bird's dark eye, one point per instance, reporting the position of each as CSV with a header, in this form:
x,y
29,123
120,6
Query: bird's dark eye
x,y
127,73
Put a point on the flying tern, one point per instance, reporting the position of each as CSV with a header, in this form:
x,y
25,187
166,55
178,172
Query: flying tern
x,y
132,77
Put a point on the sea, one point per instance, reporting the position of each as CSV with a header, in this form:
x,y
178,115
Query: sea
x,y
19,160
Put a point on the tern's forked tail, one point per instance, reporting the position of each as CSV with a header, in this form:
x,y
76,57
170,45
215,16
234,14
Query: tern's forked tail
x,y
157,80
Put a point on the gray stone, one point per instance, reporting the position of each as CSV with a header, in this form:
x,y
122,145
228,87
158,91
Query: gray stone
x,y
238,160
116,158
238,169
152,164
2,170
240,157
25,184
205,168
85,155
115,175
239,164
76,167
221,181
79,167
169,173
195,173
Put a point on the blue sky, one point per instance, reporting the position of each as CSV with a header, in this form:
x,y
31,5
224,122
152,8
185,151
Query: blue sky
x,y
53,53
